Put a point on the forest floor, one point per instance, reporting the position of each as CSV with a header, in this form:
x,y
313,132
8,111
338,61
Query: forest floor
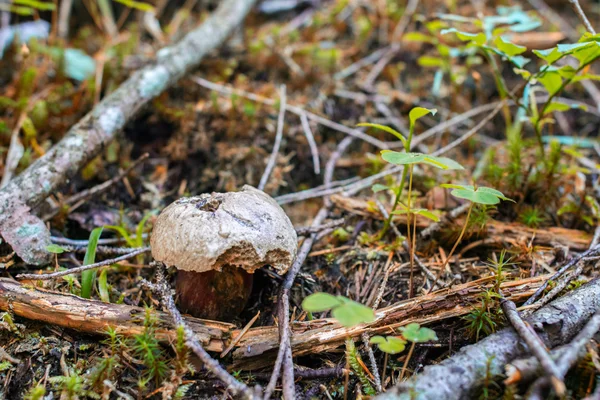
x,y
333,64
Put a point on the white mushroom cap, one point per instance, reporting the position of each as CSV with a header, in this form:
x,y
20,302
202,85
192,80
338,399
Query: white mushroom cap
x,y
247,229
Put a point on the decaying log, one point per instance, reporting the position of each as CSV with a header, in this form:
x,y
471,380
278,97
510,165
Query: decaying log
x,y
457,376
258,346
92,316
506,232
26,233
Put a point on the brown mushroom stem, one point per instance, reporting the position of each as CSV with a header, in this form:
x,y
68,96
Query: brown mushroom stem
x,y
217,295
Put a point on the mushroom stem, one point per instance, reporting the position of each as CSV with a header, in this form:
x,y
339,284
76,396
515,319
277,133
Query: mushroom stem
x,y
218,295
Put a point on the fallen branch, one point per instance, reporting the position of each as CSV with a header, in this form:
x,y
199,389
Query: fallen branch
x,y
26,233
508,232
457,376
258,345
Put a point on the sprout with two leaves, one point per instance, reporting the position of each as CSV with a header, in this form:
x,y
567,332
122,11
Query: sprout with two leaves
x,y
476,195
408,159
412,332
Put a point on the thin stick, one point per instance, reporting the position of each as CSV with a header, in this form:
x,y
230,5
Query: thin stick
x,y
314,150
556,290
240,335
571,353
162,288
279,135
294,109
535,344
412,347
588,253
53,275
581,15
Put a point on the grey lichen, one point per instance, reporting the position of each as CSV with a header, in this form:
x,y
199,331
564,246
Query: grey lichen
x,y
154,81
247,229
111,120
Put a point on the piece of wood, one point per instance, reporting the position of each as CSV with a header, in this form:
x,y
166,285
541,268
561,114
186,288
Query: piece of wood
x,y
456,377
508,232
92,316
258,346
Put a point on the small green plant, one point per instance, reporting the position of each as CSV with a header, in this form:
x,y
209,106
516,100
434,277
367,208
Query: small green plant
x,y
147,348
533,217
88,277
354,360
408,159
483,318
37,392
347,312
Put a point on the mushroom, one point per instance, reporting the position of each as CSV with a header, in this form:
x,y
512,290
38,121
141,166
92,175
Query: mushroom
x,y
216,241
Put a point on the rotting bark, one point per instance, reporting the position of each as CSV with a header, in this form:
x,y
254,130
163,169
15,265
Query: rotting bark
x,y
506,232
457,376
93,316
259,345
25,232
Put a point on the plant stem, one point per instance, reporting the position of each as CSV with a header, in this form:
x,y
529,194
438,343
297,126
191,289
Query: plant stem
x,y
408,218
388,221
462,233
412,347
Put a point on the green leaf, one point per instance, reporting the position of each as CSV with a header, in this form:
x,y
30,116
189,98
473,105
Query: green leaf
x,y
475,38
124,234
415,333
556,106
417,37
88,277
549,55
430,62
401,158
389,344
552,81
56,249
418,112
319,302
378,187
443,162
427,214
138,5
103,287
386,129
587,54
481,195
455,186
352,313
509,48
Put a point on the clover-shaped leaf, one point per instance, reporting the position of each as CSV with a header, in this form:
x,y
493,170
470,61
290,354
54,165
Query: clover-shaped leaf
x,y
385,129
348,313
389,344
481,195
415,333
56,249
318,302
401,158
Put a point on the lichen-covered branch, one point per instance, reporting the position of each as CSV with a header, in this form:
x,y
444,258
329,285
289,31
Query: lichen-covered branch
x,y
457,376
26,233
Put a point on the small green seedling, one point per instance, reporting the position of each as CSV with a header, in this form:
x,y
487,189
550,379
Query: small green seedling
x,y
55,249
88,277
389,344
408,159
347,312
476,195
412,332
